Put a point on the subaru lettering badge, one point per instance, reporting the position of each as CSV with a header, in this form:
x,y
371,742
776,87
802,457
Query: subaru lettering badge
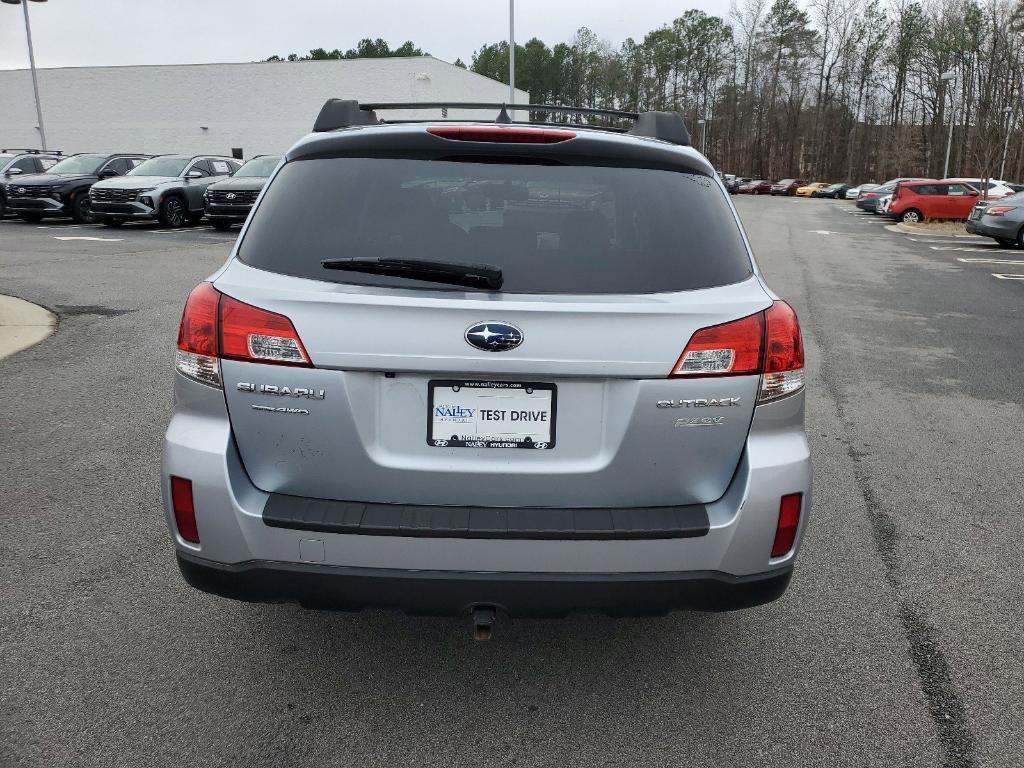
x,y
494,337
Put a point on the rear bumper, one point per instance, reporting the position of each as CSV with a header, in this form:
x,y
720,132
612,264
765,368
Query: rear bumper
x,y
994,226
455,593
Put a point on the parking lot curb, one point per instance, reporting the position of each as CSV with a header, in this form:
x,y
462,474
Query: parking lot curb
x,y
906,230
23,325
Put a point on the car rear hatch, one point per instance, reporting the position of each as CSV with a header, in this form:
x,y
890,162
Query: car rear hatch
x,y
553,391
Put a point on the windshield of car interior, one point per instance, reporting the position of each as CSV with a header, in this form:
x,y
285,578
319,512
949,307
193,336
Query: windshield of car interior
x,y
549,228
161,166
79,164
259,166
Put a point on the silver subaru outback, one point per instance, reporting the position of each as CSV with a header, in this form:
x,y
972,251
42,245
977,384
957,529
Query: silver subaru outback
x,y
479,368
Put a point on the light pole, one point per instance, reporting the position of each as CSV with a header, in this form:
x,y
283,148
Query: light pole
x,y
32,64
703,135
947,76
1006,141
511,51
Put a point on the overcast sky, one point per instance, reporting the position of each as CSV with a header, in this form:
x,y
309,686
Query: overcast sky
x,y
101,32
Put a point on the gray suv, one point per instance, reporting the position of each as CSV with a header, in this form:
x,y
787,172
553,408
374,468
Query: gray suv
x,y
480,368
167,187
15,163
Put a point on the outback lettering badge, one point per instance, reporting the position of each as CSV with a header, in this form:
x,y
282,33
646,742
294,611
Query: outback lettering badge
x,y
700,402
270,389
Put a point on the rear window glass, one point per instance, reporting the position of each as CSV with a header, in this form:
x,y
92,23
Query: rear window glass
x,y
549,228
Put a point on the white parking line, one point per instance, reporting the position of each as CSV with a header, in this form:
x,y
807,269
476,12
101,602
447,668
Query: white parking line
x,y
992,261
95,239
968,249
1008,277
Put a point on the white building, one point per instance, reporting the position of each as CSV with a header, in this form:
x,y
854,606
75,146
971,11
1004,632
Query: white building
x,y
261,107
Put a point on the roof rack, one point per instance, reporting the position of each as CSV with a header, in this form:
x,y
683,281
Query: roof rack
x,y
345,113
32,151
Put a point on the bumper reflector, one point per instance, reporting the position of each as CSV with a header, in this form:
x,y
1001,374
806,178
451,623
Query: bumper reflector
x,y
184,509
789,521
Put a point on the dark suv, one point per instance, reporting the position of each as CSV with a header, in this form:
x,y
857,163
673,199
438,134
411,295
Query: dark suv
x,y
229,202
787,187
17,163
63,190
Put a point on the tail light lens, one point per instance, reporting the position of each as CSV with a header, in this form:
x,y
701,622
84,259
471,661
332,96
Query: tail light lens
x,y
783,372
198,349
259,336
999,210
215,327
789,521
731,349
184,509
768,343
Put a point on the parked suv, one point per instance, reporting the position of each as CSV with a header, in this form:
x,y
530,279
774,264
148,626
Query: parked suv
x,y
914,201
787,186
229,202
166,187
580,396
16,163
63,190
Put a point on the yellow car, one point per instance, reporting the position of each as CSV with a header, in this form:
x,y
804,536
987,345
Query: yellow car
x,y
811,189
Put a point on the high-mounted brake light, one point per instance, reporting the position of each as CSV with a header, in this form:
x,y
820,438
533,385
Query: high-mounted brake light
x,y
511,135
789,522
768,343
258,335
215,327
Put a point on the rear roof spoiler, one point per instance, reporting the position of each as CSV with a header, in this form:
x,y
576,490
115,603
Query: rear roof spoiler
x,y
345,113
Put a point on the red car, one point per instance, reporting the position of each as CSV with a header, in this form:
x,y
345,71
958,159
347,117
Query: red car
x,y
759,187
914,201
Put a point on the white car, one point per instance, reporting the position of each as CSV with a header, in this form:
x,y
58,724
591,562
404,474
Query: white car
x,y
853,192
997,189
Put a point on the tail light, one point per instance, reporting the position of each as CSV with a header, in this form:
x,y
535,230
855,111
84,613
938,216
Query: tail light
x,y
184,509
215,327
768,343
789,521
999,210
731,349
258,336
504,135
197,356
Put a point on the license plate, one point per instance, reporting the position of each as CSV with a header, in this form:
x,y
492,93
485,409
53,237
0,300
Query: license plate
x,y
491,414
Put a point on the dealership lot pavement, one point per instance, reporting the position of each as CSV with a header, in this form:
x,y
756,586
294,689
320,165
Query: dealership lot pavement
x,y
897,644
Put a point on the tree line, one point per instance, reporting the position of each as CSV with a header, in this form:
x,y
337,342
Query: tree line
x,y
838,90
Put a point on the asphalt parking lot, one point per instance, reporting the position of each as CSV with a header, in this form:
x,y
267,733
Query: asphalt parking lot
x,y
898,643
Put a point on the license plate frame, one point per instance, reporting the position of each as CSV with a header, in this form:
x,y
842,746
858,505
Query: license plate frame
x,y
480,388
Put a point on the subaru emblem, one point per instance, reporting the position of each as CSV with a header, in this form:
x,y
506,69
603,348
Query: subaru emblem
x,y
494,337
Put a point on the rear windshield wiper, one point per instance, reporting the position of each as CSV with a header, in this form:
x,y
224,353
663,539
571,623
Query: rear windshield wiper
x,y
451,272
